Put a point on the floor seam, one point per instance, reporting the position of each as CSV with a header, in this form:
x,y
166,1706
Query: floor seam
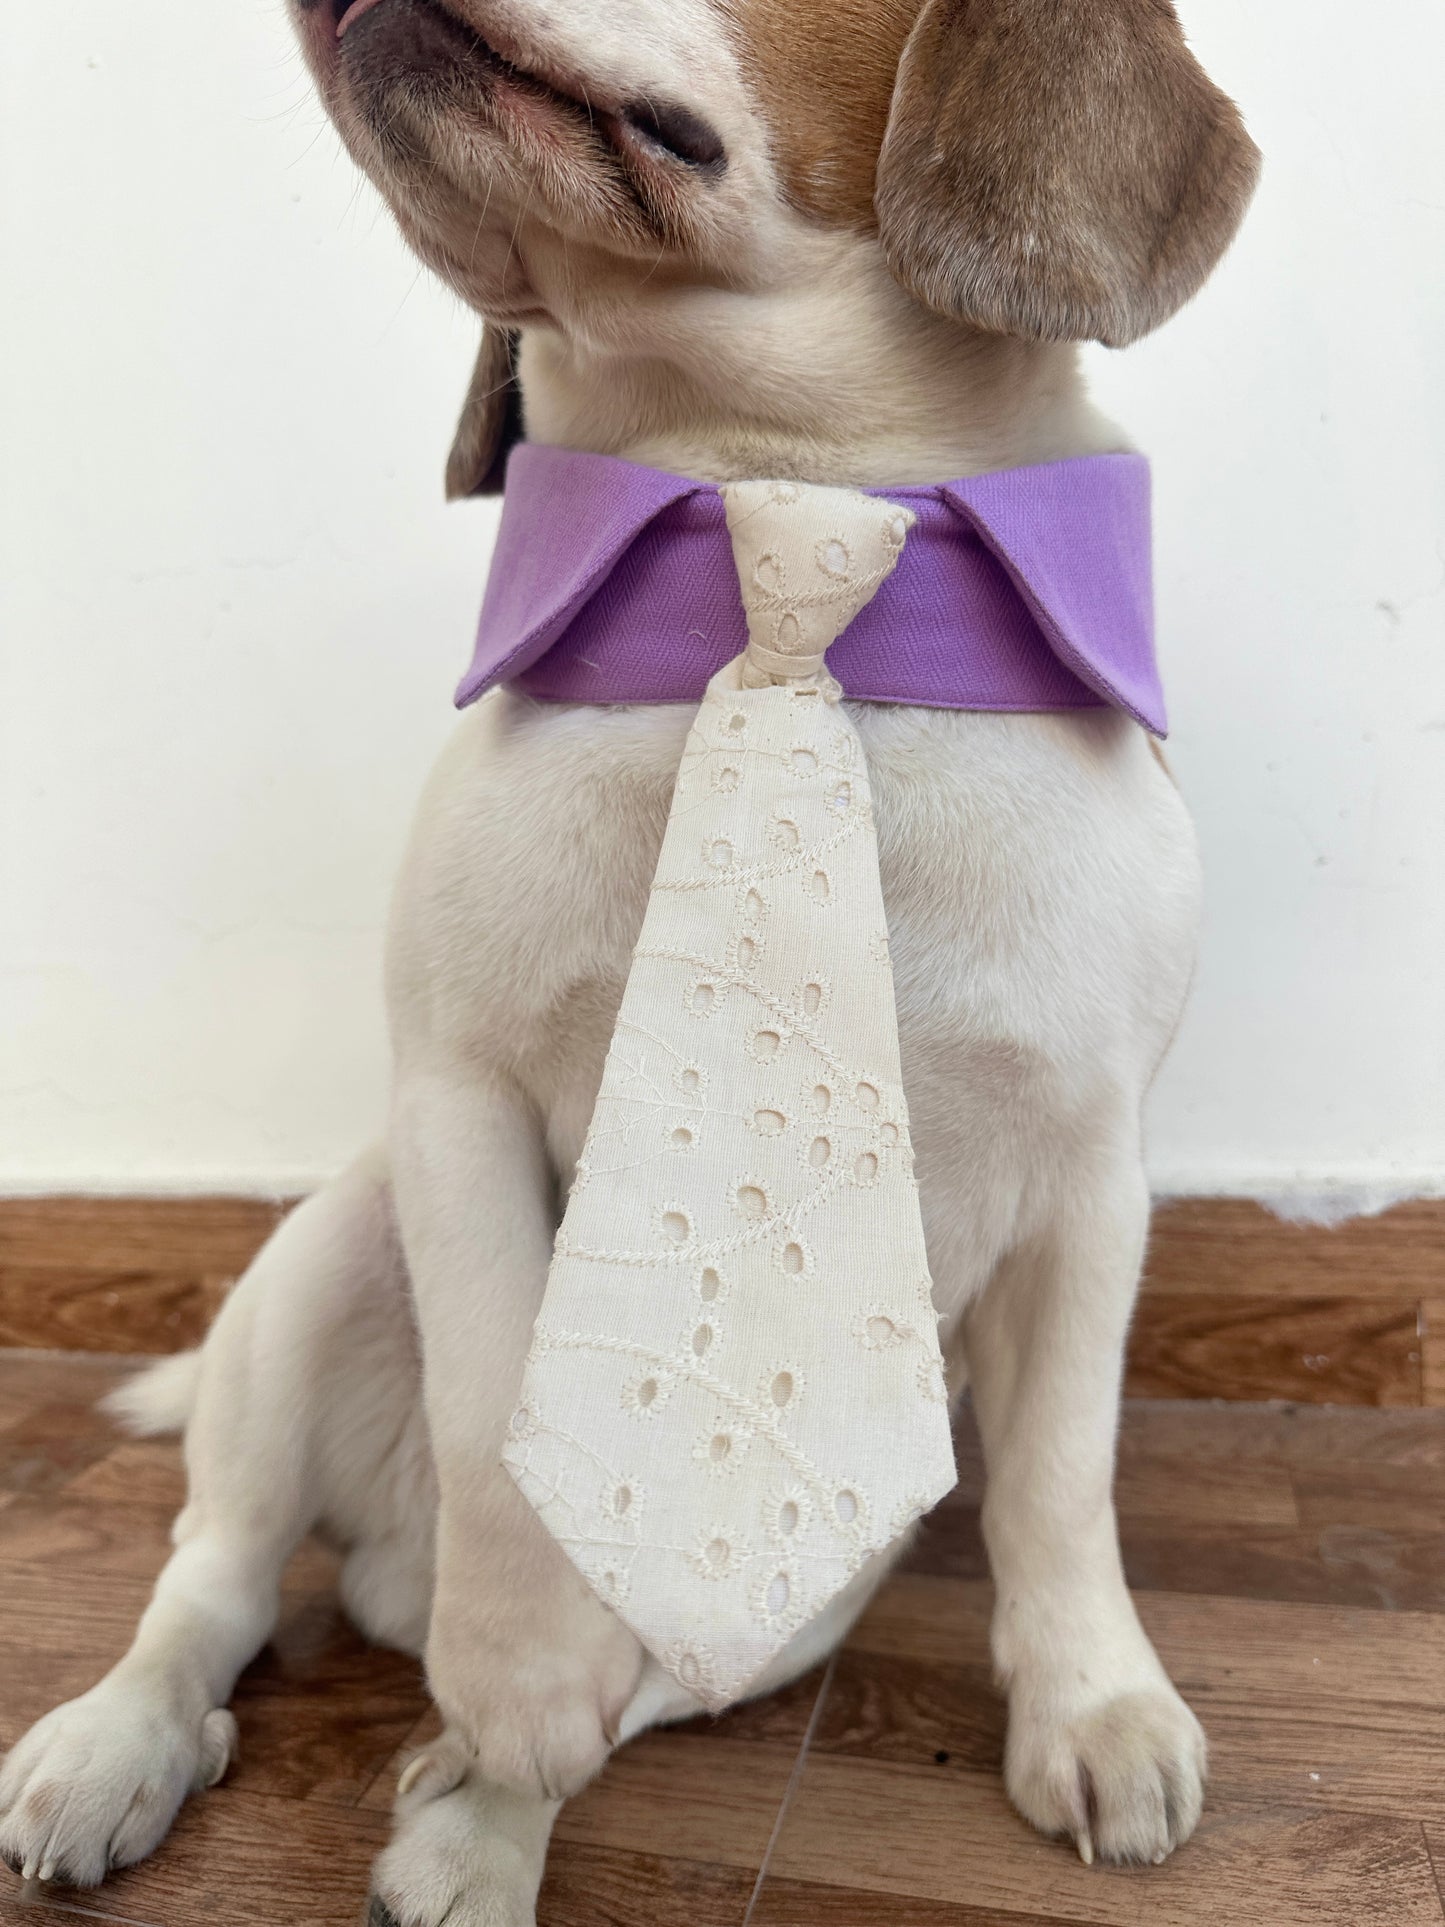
x,y
1435,1869
791,1788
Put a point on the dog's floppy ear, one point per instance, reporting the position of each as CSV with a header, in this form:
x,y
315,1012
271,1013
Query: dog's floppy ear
x,y
491,422
1062,170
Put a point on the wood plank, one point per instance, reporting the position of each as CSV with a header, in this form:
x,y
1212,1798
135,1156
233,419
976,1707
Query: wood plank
x,y
321,1712
1234,1245
135,1472
916,1713
1388,1498
596,1887
1322,1351
1293,1650
893,1830
680,1793
1331,1566
50,1446
1290,1435
794,1903
126,1312
189,1236
32,1377
74,1538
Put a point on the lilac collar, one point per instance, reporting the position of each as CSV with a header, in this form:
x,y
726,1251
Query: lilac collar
x,y
1025,589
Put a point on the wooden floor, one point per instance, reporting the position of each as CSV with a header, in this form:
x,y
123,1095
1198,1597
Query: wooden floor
x,y
1291,1566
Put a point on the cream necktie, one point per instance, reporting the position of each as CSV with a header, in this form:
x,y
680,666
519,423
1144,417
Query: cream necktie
x,y
734,1396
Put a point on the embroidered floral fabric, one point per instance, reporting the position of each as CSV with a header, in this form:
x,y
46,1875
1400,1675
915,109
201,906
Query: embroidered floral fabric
x,y
735,1396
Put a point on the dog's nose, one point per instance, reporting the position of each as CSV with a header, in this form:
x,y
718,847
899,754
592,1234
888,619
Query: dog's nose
x,y
678,131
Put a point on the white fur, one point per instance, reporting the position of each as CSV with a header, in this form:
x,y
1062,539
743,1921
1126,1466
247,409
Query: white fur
x,y
1042,887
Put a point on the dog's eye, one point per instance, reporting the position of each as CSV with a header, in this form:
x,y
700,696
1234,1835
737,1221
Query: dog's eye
x,y
679,132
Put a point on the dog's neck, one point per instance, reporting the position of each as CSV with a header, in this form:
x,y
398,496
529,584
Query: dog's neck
x,y
849,383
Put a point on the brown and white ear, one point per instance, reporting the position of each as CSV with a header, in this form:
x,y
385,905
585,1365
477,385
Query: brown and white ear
x,y
1063,170
491,422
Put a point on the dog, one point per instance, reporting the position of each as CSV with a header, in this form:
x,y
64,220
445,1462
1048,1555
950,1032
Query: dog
x,y
843,241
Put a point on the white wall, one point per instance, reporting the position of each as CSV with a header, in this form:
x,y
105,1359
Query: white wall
x,y
234,606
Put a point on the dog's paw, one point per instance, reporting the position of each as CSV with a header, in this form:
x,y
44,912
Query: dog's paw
x,y
1123,1779
97,1783
539,1710
464,1852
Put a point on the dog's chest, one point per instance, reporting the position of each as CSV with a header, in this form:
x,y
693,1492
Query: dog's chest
x,y
1039,875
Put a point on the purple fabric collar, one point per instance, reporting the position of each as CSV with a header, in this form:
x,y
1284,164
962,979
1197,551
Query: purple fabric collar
x,y
1026,589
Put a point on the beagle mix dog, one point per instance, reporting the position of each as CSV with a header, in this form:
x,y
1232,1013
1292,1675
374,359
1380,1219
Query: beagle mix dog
x,y
840,241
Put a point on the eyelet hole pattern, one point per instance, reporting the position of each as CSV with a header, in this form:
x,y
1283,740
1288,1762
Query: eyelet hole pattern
x,y
752,1202
835,558
702,999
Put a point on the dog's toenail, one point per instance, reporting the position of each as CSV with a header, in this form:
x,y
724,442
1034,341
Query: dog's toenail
x,y
47,1872
380,1915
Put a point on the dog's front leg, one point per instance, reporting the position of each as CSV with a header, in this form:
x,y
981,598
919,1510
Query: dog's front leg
x,y
1100,1746
531,1672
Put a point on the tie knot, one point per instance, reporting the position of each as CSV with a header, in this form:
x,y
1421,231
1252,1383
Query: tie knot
x,y
809,560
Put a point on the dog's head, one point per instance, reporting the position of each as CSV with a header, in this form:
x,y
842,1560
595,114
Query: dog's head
x,y
1054,170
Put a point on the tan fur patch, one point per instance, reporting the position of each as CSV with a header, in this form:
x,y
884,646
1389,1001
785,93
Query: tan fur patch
x,y
1062,170
823,72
